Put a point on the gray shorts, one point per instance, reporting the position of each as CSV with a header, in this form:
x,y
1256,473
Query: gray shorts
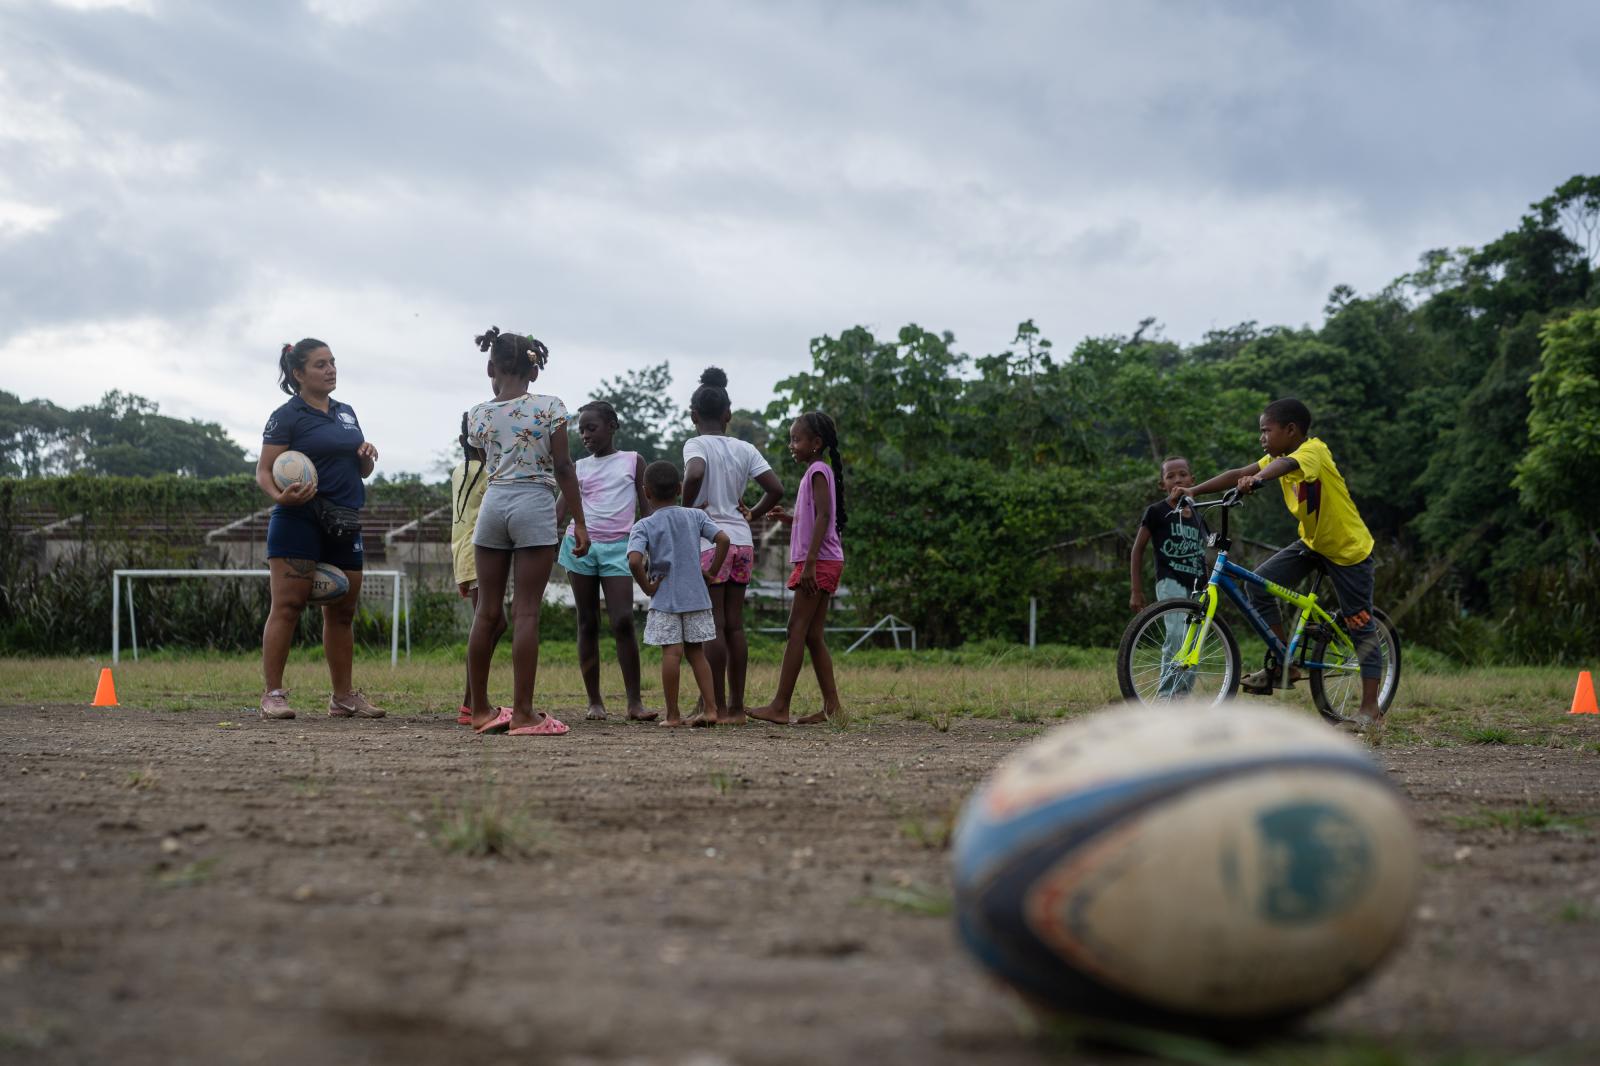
x,y
664,628
516,515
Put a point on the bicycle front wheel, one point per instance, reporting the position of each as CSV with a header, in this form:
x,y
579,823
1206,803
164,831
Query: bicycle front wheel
x,y
1146,671
1336,685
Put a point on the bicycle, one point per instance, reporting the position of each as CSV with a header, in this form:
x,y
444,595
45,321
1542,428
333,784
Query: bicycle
x,y
1178,649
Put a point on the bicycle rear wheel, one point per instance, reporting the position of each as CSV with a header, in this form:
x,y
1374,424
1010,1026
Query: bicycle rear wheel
x,y
1336,687
1144,660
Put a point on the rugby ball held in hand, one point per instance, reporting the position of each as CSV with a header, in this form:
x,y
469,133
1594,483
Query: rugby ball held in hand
x,y
291,468
328,583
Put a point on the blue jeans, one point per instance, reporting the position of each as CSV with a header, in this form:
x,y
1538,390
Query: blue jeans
x,y
1174,682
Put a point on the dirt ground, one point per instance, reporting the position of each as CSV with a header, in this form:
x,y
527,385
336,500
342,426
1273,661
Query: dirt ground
x,y
175,890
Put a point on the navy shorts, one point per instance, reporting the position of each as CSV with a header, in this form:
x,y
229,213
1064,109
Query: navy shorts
x,y
295,533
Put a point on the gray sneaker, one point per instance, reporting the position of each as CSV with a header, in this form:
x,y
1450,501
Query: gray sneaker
x,y
354,705
275,704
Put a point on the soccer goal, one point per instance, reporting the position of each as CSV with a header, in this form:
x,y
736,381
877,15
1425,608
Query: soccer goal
x,y
399,596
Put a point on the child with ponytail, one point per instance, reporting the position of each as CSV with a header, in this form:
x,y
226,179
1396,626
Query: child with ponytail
x,y
467,483
818,557
716,469
524,439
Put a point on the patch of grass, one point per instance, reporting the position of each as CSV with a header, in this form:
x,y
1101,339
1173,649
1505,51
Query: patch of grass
x,y
1486,734
913,899
1577,912
724,782
1026,715
931,833
143,780
486,825
1532,818
941,718
187,875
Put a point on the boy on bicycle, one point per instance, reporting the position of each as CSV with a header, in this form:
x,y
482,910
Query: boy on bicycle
x,y
1332,535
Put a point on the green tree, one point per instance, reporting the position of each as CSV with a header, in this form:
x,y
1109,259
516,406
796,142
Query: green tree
x,y
647,419
1564,423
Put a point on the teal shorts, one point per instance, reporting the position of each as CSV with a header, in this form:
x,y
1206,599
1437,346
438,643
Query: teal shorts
x,y
604,559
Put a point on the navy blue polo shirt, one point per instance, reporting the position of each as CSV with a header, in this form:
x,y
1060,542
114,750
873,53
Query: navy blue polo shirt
x,y
329,440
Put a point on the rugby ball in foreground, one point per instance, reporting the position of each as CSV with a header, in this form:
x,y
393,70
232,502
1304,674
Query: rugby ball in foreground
x,y
291,468
1207,871
328,583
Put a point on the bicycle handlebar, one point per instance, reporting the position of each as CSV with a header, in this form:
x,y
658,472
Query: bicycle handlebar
x,y
1230,498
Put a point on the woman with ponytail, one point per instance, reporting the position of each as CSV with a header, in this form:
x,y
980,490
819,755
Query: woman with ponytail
x,y
716,469
818,556
314,523
523,436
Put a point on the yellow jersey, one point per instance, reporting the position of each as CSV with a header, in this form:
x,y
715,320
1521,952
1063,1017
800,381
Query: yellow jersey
x,y
1317,496
463,516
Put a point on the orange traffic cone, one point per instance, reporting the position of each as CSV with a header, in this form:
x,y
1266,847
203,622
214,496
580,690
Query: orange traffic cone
x,y
1583,697
105,693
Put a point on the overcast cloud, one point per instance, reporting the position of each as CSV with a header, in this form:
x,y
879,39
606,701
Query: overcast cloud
x,y
183,186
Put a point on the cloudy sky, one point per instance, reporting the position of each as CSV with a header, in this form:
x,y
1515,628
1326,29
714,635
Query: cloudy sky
x,y
183,186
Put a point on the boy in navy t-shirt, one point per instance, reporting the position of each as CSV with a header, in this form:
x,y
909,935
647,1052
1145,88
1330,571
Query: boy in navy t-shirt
x,y
1179,536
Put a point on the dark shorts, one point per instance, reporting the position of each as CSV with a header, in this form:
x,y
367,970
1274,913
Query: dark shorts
x,y
296,534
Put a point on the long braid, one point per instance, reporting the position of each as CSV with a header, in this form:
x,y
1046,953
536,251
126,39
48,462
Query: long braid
x,y
824,428
465,492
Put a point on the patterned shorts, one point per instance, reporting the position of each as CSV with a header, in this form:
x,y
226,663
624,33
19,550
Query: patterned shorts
x,y
664,628
736,565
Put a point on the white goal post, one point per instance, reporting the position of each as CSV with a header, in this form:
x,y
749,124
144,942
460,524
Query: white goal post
x,y
399,592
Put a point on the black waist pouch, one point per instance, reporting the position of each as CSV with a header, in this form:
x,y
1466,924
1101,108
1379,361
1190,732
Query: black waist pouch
x,y
339,524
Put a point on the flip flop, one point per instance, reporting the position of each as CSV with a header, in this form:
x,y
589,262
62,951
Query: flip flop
x,y
464,715
501,723
546,726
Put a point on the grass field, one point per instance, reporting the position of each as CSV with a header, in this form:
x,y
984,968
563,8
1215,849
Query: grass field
x,y
182,881
1441,704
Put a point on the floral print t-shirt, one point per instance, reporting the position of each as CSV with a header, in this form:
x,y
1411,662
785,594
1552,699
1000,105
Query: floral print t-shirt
x,y
515,434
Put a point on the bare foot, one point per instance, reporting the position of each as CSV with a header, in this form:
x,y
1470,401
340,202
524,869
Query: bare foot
x,y
732,718
597,712
672,723
704,721
637,713
826,714
771,714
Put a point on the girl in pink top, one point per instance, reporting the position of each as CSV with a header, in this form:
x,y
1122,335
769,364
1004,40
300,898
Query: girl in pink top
x,y
818,559
610,484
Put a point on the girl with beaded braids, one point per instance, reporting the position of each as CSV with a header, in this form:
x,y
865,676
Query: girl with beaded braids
x,y
524,440
818,557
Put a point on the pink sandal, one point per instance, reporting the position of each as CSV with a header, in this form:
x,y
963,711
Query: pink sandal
x,y
501,723
546,726
464,715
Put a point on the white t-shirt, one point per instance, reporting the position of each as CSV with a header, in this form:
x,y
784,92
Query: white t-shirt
x,y
515,434
610,495
731,464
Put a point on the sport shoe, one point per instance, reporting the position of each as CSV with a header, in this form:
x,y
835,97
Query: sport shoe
x,y
275,704
354,705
